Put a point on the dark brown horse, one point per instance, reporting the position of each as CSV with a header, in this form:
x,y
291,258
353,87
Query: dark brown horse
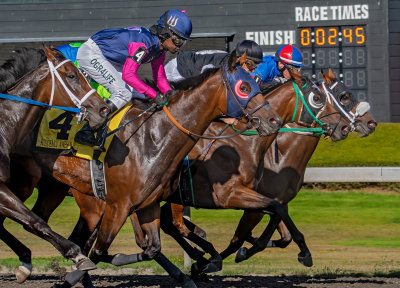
x,y
144,159
285,100
280,176
47,77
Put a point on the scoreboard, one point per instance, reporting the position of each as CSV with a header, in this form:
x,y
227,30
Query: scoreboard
x,y
342,48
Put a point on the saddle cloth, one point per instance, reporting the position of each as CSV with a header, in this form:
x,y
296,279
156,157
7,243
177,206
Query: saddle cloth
x,y
57,130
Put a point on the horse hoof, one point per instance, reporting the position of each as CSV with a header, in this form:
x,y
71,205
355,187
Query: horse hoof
x,y
195,269
200,278
188,282
306,260
241,255
123,259
210,268
22,273
85,264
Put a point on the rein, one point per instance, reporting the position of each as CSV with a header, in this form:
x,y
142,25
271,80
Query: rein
x,y
77,102
244,111
315,131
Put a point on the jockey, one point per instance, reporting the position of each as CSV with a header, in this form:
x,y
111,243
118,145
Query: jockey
x,y
286,58
112,58
192,63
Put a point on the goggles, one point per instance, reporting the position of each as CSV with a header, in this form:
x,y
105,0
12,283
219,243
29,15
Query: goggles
x,y
178,41
289,66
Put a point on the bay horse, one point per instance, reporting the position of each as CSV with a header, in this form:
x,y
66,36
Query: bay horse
x,y
45,77
144,159
285,101
280,176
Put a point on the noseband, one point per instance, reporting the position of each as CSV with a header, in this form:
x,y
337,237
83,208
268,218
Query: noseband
x,y
77,102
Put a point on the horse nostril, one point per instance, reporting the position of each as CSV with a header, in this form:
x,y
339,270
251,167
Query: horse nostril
x,y
372,124
345,129
104,111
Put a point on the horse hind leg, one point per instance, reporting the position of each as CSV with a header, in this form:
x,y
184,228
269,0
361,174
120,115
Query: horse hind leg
x,y
147,238
173,223
246,224
261,242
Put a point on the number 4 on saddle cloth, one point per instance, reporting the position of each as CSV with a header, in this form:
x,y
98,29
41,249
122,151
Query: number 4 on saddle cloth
x,y
56,132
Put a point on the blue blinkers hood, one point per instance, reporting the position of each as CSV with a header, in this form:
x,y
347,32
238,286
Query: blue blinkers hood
x,y
235,80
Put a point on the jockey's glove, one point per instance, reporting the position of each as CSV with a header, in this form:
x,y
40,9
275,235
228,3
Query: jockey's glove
x,y
160,100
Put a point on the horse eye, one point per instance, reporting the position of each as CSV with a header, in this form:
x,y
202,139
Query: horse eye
x,y
316,98
71,76
245,88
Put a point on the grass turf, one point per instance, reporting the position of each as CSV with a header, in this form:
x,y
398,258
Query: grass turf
x,y
348,233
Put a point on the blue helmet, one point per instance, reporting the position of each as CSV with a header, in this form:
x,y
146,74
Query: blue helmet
x,y
289,54
178,22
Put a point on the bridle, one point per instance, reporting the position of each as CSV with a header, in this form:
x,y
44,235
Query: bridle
x,y
252,121
329,91
77,102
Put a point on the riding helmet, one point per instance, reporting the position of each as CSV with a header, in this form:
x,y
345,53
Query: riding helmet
x,y
289,54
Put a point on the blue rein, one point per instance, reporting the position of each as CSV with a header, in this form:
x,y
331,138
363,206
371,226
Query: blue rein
x,y
37,103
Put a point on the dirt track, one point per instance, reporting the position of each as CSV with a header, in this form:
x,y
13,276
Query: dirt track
x,y
216,281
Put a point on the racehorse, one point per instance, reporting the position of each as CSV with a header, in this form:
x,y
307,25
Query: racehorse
x,y
280,176
286,102
142,166
40,77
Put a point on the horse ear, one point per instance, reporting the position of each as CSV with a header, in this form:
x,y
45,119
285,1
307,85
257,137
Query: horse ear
x,y
242,59
331,74
326,77
50,54
232,61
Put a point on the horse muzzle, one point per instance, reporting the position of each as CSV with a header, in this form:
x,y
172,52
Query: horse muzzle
x,y
267,127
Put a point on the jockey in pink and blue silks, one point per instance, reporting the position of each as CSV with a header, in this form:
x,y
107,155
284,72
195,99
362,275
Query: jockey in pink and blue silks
x,y
112,58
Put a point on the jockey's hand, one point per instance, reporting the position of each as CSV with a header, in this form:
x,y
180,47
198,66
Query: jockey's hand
x,y
160,100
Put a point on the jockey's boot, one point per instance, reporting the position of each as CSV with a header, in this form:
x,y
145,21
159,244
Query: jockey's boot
x,y
86,135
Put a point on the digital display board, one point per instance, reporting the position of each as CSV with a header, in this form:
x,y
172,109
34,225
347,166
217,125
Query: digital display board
x,y
342,48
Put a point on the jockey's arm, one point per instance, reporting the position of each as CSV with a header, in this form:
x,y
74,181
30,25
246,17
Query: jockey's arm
x,y
159,76
136,52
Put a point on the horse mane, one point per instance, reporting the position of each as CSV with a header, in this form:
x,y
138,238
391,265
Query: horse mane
x,y
268,87
21,62
186,84
194,81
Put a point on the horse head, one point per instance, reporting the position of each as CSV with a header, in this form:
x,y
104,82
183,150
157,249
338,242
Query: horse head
x,y
345,101
306,105
244,98
69,87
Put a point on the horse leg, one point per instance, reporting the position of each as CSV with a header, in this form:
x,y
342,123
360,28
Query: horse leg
x,y
146,226
13,208
91,211
202,265
280,213
24,253
241,197
246,224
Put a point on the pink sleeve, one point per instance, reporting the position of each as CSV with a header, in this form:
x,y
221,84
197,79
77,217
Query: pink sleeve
x,y
131,67
159,76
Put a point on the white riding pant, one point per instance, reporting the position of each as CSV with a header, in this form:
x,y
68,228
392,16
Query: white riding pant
x,y
92,60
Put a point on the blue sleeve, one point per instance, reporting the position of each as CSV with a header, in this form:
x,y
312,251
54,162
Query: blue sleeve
x,y
267,70
70,51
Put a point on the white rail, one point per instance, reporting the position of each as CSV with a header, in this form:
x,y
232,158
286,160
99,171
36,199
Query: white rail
x,y
352,174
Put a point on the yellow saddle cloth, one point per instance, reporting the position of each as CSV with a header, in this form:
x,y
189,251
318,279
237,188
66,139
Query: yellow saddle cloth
x,y
57,131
